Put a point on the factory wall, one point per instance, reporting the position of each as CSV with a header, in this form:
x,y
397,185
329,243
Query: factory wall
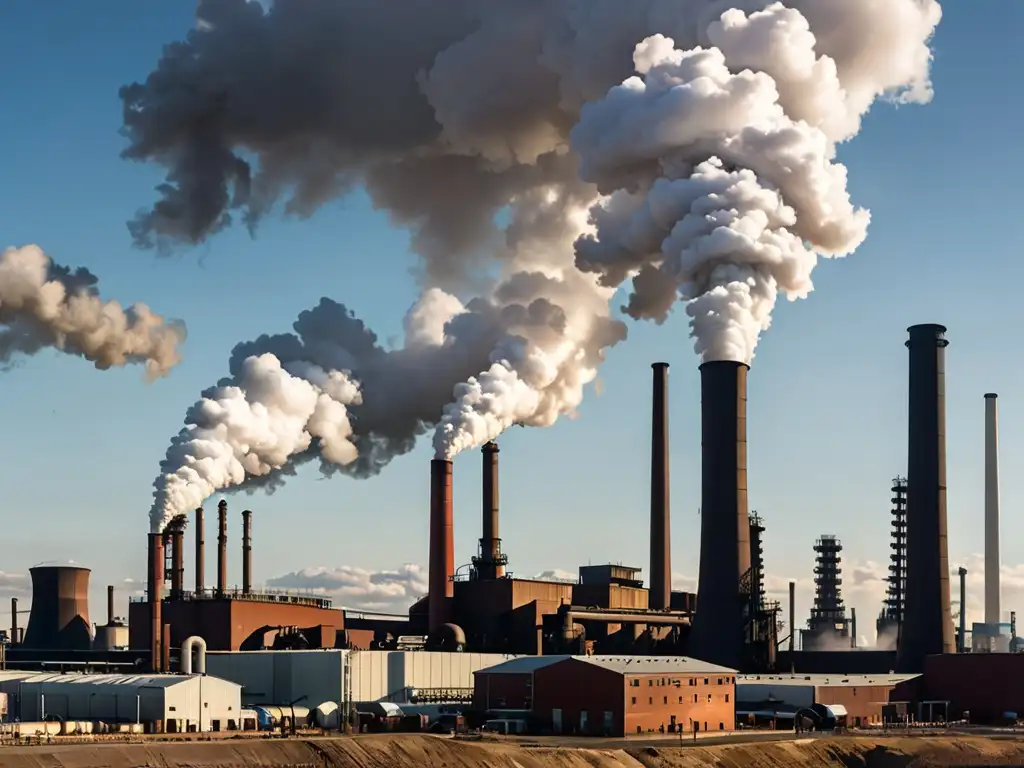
x,y
277,678
862,695
174,700
984,684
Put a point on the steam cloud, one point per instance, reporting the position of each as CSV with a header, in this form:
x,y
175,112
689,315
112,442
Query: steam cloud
x,y
45,305
688,146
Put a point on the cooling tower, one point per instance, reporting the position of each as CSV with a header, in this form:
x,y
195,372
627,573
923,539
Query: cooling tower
x,y
59,619
442,545
722,599
660,588
992,608
928,622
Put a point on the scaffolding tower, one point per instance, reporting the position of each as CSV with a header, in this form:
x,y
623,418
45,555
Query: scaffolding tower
x,y
763,627
827,628
891,617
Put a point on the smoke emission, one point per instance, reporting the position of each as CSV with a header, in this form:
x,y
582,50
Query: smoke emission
x,y
46,305
687,146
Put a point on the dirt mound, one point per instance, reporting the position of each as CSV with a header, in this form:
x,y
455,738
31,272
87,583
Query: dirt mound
x,y
429,752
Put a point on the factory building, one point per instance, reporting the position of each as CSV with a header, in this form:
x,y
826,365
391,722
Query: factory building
x,y
860,698
610,695
171,703
339,676
983,687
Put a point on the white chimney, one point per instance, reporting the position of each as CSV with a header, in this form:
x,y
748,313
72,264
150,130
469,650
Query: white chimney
x,y
992,613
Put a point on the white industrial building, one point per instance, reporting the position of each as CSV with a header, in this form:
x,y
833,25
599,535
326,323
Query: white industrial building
x,y
317,676
181,702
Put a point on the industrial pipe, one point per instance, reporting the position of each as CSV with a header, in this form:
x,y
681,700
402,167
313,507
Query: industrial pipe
x,y
246,551
992,609
792,617
491,564
156,586
222,548
442,546
718,633
927,627
660,588
198,644
200,552
110,605
14,620
570,614
962,640
853,627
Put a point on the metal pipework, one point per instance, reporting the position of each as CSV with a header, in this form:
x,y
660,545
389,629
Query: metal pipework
x,y
571,614
853,627
718,632
992,608
660,588
14,620
246,551
961,645
222,548
927,626
155,590
200,552
792,616
442,545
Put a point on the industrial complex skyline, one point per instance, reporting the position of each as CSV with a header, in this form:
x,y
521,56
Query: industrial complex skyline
x,y
827,394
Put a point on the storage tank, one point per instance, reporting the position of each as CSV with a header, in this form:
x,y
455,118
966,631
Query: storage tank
x,y
111,637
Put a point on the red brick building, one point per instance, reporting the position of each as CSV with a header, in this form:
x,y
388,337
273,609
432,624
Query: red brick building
x,y
611,695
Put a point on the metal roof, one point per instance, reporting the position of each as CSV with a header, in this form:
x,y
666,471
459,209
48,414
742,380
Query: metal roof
x,y
623,665
129,681
822,680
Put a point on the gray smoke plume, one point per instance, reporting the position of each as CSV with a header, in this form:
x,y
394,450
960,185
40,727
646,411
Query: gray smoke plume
x,y
708,176
46,305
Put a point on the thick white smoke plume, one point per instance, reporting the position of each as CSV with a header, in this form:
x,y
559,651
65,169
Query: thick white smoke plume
x,y
699,134
45,305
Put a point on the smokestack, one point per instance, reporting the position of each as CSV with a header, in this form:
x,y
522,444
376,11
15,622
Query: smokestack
x,y
792,617
14,620
853,627
177,562
927,626
165,649
718,634
246,551
200,552
992,611
156,587
961,645
491,563
110,605
442,544
222,548
660,593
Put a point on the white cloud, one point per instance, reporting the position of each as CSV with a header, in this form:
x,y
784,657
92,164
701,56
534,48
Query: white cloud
x,y
359,588
14,585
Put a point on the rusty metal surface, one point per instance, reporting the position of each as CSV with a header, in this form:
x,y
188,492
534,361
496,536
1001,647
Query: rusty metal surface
x,y
718,628
442,544
661,540
927,626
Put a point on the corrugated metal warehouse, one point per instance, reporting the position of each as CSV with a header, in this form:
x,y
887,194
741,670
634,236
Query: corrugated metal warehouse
x,y
861,695
279,677
182,702
611,695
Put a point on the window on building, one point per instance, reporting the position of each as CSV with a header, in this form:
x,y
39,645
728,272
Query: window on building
x,y
680,699
665,700
650,683
695,698
709,698
854,691
693,681
727,698
650,699
635,682
706,680
632,700
172,709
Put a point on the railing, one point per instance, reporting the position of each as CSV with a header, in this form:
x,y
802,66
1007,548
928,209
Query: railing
x,y
264,596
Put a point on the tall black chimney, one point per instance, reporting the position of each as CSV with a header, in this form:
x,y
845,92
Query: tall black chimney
x,y
723,592
660,593
927,626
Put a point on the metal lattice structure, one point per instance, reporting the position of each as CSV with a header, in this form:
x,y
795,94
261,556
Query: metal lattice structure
x,y
828,600
895,595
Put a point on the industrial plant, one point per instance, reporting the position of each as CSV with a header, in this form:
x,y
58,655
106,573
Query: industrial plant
x,y
480,622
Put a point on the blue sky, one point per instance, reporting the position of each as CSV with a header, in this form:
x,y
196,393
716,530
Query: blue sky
x,y
827,410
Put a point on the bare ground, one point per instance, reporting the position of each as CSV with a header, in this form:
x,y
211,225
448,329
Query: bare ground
x,y
398,751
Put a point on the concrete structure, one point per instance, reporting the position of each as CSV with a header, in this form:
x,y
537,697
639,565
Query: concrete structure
x,y
718,634
611,695
59,619
862,696
927,626
318,676
174,703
